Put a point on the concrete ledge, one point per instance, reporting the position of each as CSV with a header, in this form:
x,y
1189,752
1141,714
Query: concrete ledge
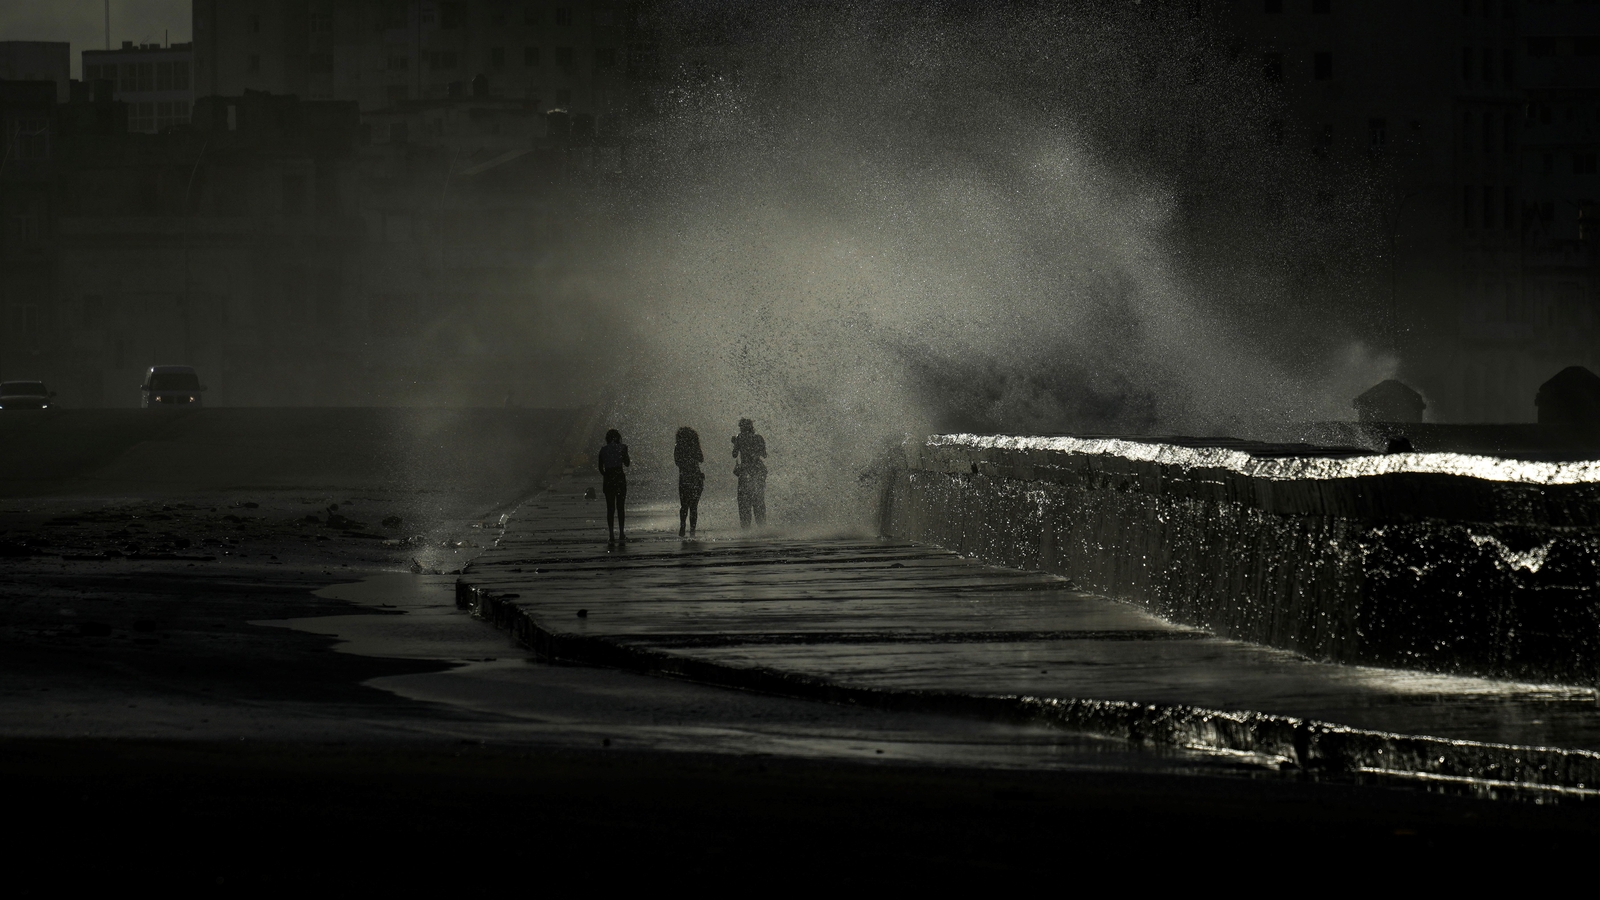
x,y
1316,747
1440,562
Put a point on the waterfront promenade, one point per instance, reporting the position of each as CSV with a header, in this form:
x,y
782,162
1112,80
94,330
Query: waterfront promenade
x,y
855,619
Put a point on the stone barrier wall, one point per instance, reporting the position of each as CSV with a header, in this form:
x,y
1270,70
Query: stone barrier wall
x,y
1429,561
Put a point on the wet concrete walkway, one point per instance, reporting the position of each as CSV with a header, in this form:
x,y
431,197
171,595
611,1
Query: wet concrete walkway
x,y
862,620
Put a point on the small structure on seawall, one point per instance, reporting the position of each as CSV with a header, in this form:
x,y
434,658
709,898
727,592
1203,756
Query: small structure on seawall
x,y
1389,401
1569,407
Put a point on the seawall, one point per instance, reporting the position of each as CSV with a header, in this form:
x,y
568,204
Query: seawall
x,y
1439,562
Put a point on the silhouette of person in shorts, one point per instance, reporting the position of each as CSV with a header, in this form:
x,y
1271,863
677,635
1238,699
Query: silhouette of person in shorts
x,y
687,454
614,481
750,449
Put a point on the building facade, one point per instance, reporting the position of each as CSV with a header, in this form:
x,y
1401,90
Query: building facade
x,y
1476,120
385,54
29,162
156,82
37,61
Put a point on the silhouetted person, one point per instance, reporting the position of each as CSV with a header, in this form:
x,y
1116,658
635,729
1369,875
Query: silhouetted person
x,y
751,451
691,481
614,481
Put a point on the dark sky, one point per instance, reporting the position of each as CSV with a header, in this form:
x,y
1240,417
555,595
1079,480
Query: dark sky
x,y
82,22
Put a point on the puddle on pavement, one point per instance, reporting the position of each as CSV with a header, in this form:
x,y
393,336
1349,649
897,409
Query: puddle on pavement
x,y
413,617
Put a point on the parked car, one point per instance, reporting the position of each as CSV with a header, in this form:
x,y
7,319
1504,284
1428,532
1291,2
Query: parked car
x,y
25,395
170,386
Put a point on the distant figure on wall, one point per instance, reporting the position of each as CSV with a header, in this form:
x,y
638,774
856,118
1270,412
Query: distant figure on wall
x,y
614,481
691,481
751,451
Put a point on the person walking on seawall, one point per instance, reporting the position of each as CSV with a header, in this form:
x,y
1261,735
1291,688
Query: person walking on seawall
x,y
614,481
691,481
751,451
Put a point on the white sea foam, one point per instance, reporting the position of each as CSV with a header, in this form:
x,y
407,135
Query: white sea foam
x,y
1486,468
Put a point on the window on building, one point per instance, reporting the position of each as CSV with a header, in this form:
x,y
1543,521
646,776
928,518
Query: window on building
x,y
93,311
1488,206
319,63
1508,209
321,23
1377,136
180,75
1488,133
1272,67
399,63
497,57
1466,63
442,60
147,76
1321,7
163,76
1507,60
498,18
1586,46
399,133
564,98
530,14
1588,216
30,138
564,57
563,15
452,15
1272,7
1509,134
1541,46
1488,65
1466,206
605,58
396,93
1322,65
255,24
141,117
253,64
530,56
1584,163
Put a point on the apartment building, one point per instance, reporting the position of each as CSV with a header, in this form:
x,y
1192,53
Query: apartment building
x,y
1456,109
384,54
155,81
